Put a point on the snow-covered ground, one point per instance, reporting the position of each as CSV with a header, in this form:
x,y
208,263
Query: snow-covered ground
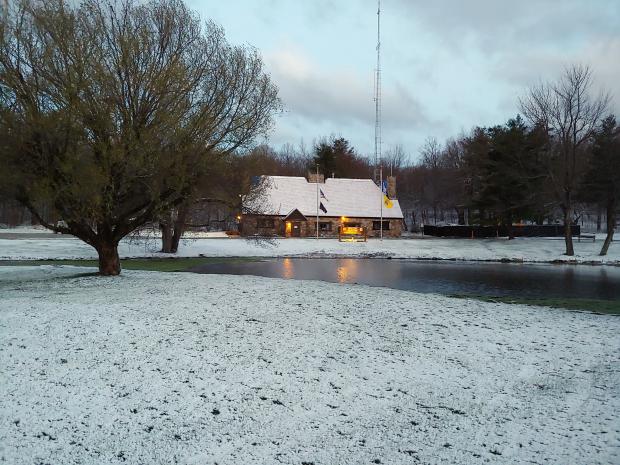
x,y
28,230
200,369
523,249
25,230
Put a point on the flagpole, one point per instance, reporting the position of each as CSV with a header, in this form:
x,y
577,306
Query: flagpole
x,y
317,201
381,190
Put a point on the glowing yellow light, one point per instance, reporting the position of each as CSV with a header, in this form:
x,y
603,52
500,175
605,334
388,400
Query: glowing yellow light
x,y
288,226
343,218
238,217
288,271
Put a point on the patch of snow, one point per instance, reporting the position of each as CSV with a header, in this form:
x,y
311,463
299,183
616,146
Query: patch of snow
x,y
197,369
206,234
534,250
36,229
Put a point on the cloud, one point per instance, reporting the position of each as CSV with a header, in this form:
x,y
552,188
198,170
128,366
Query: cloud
x,y
338,95
495,25
542,66
449,65
479,56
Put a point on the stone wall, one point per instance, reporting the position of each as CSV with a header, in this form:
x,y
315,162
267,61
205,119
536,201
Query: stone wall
x,y
250,226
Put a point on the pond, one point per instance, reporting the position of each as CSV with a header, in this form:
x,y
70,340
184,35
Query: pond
x,y
462,278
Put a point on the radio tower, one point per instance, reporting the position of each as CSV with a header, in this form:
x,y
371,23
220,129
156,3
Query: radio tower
x,y
378,96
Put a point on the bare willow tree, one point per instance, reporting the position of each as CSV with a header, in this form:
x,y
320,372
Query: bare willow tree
x,y
111,111
570,112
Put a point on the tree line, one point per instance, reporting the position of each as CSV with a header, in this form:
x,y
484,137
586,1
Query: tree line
x,y
563,154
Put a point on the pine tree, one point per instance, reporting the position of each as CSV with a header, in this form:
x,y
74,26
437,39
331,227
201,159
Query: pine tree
x,y
510,175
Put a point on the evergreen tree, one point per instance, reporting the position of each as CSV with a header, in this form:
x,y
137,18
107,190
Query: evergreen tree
x,y
511,175
336,157
324,157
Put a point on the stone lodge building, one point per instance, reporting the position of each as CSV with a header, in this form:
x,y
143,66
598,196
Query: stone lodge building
x,y
288,208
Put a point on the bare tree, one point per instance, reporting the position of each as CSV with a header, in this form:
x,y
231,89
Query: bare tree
x,y
570,113
113,111
431,153
395,158
432,162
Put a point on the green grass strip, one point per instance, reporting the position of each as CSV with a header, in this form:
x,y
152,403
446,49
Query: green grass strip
x,y
592,305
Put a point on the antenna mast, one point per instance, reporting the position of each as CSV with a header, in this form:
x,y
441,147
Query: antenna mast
x,y
378,95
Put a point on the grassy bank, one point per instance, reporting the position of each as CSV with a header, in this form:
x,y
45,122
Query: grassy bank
x,y
592,305
145,264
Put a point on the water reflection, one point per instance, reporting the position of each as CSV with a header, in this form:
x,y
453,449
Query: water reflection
x,y
498,279
287,269
347,271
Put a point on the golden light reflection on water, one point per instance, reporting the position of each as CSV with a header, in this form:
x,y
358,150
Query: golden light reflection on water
x,y
289,272
347,271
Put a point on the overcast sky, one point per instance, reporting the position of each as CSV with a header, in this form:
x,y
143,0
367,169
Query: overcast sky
x,y
448,65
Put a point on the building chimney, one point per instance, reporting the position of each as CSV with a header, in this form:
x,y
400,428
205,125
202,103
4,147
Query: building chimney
x,y
314,177
391,187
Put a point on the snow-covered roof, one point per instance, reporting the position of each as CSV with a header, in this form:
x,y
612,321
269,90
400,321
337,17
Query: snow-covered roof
x,y
342,197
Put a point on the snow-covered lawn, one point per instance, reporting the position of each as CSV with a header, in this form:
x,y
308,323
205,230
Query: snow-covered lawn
x,y
25,230
524,249
153,368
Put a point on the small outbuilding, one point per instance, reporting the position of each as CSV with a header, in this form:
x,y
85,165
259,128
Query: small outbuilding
x,y
288,206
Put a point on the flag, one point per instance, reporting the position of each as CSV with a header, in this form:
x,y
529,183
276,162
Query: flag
x,y
322,194
386,200
323,209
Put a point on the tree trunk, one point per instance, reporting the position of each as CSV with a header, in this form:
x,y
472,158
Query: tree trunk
x,y
568,235
611,226
511,232
460,212
179,229
166,237
109,262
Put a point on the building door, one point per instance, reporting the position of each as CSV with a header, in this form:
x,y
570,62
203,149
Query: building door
x,y
296,230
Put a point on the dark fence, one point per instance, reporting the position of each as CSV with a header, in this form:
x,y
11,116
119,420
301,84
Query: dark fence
x,y
530,230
